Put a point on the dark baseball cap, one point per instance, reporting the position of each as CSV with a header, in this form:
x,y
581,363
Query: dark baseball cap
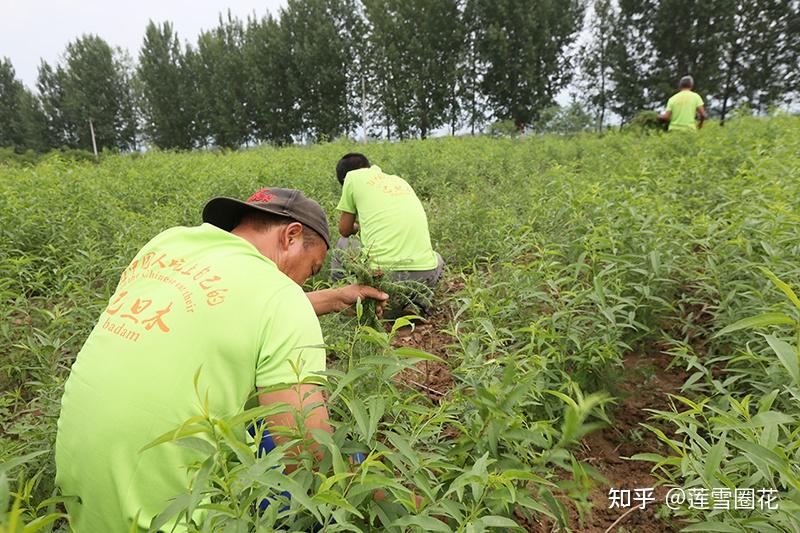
x,y
225,213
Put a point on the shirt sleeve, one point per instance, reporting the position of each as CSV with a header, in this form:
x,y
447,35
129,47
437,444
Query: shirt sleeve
x,y
669,103
292,336
347,203
699,101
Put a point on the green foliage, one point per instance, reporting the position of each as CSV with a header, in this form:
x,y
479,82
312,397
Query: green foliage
x,y
647,121
167,100
20,114
414,55
217,67
270,98
462,482
407,297
564,254
322,70
23,514
572,118
29,157
503,128
744,435
523,48
72,97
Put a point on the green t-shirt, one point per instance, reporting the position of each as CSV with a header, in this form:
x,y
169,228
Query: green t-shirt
x,y
394,227
192,297
684,106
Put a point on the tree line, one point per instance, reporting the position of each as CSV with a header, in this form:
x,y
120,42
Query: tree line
x,y
322,69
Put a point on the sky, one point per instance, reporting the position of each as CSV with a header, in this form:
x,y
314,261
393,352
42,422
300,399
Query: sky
x,y
34,29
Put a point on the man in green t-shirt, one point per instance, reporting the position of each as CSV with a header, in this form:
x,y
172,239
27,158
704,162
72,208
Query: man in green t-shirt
x,y
391,221
223,298
683,107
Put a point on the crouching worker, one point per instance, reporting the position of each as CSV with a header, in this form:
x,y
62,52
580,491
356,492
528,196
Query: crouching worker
x,y
392,224
225,297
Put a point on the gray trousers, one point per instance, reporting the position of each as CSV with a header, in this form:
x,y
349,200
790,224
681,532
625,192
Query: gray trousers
x,y
428,277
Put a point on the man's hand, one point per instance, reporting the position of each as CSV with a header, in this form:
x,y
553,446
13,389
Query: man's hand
x,y
350,294
701,115
339,299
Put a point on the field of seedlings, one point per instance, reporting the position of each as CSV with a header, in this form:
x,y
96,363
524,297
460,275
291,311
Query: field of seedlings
x,y
619,313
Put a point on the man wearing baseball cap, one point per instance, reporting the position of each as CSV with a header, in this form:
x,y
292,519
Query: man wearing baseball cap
x,y
222,300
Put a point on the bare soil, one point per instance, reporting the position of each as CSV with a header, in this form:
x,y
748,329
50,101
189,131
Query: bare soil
x,y
432,378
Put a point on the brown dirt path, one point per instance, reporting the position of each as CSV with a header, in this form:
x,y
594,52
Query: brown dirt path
x,y
432,378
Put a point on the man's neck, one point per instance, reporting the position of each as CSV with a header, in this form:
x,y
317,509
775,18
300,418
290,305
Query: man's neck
x,y
259,239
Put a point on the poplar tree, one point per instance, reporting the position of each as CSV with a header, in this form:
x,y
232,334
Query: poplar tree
x,y
219,68
416,47
21,118
523,44
167,102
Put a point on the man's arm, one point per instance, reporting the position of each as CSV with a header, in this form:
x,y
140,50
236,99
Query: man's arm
x,y
297,397
665,116
333,300
347,224
701,112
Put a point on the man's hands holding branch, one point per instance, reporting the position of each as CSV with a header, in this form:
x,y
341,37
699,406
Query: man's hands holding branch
x,y
338,299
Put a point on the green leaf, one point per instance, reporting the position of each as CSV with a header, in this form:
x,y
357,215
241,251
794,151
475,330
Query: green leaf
x,y
759,454
335,499
787,354
189,427
404,321
768,418
359,412
348,378
713,460
300,495
414,353
199,445
787,290
13,463
42,521
758,321
178,504
259,413
713,526
242,451
329,482
377,406
5,493
403,447
499,521
426,523
649,457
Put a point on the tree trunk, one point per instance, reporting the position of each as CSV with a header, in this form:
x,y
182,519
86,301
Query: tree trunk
x,y
728,85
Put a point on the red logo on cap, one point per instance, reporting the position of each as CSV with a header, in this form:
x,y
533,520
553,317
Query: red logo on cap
x,y
261,196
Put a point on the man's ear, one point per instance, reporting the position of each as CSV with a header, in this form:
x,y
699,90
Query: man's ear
x,y
291,233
